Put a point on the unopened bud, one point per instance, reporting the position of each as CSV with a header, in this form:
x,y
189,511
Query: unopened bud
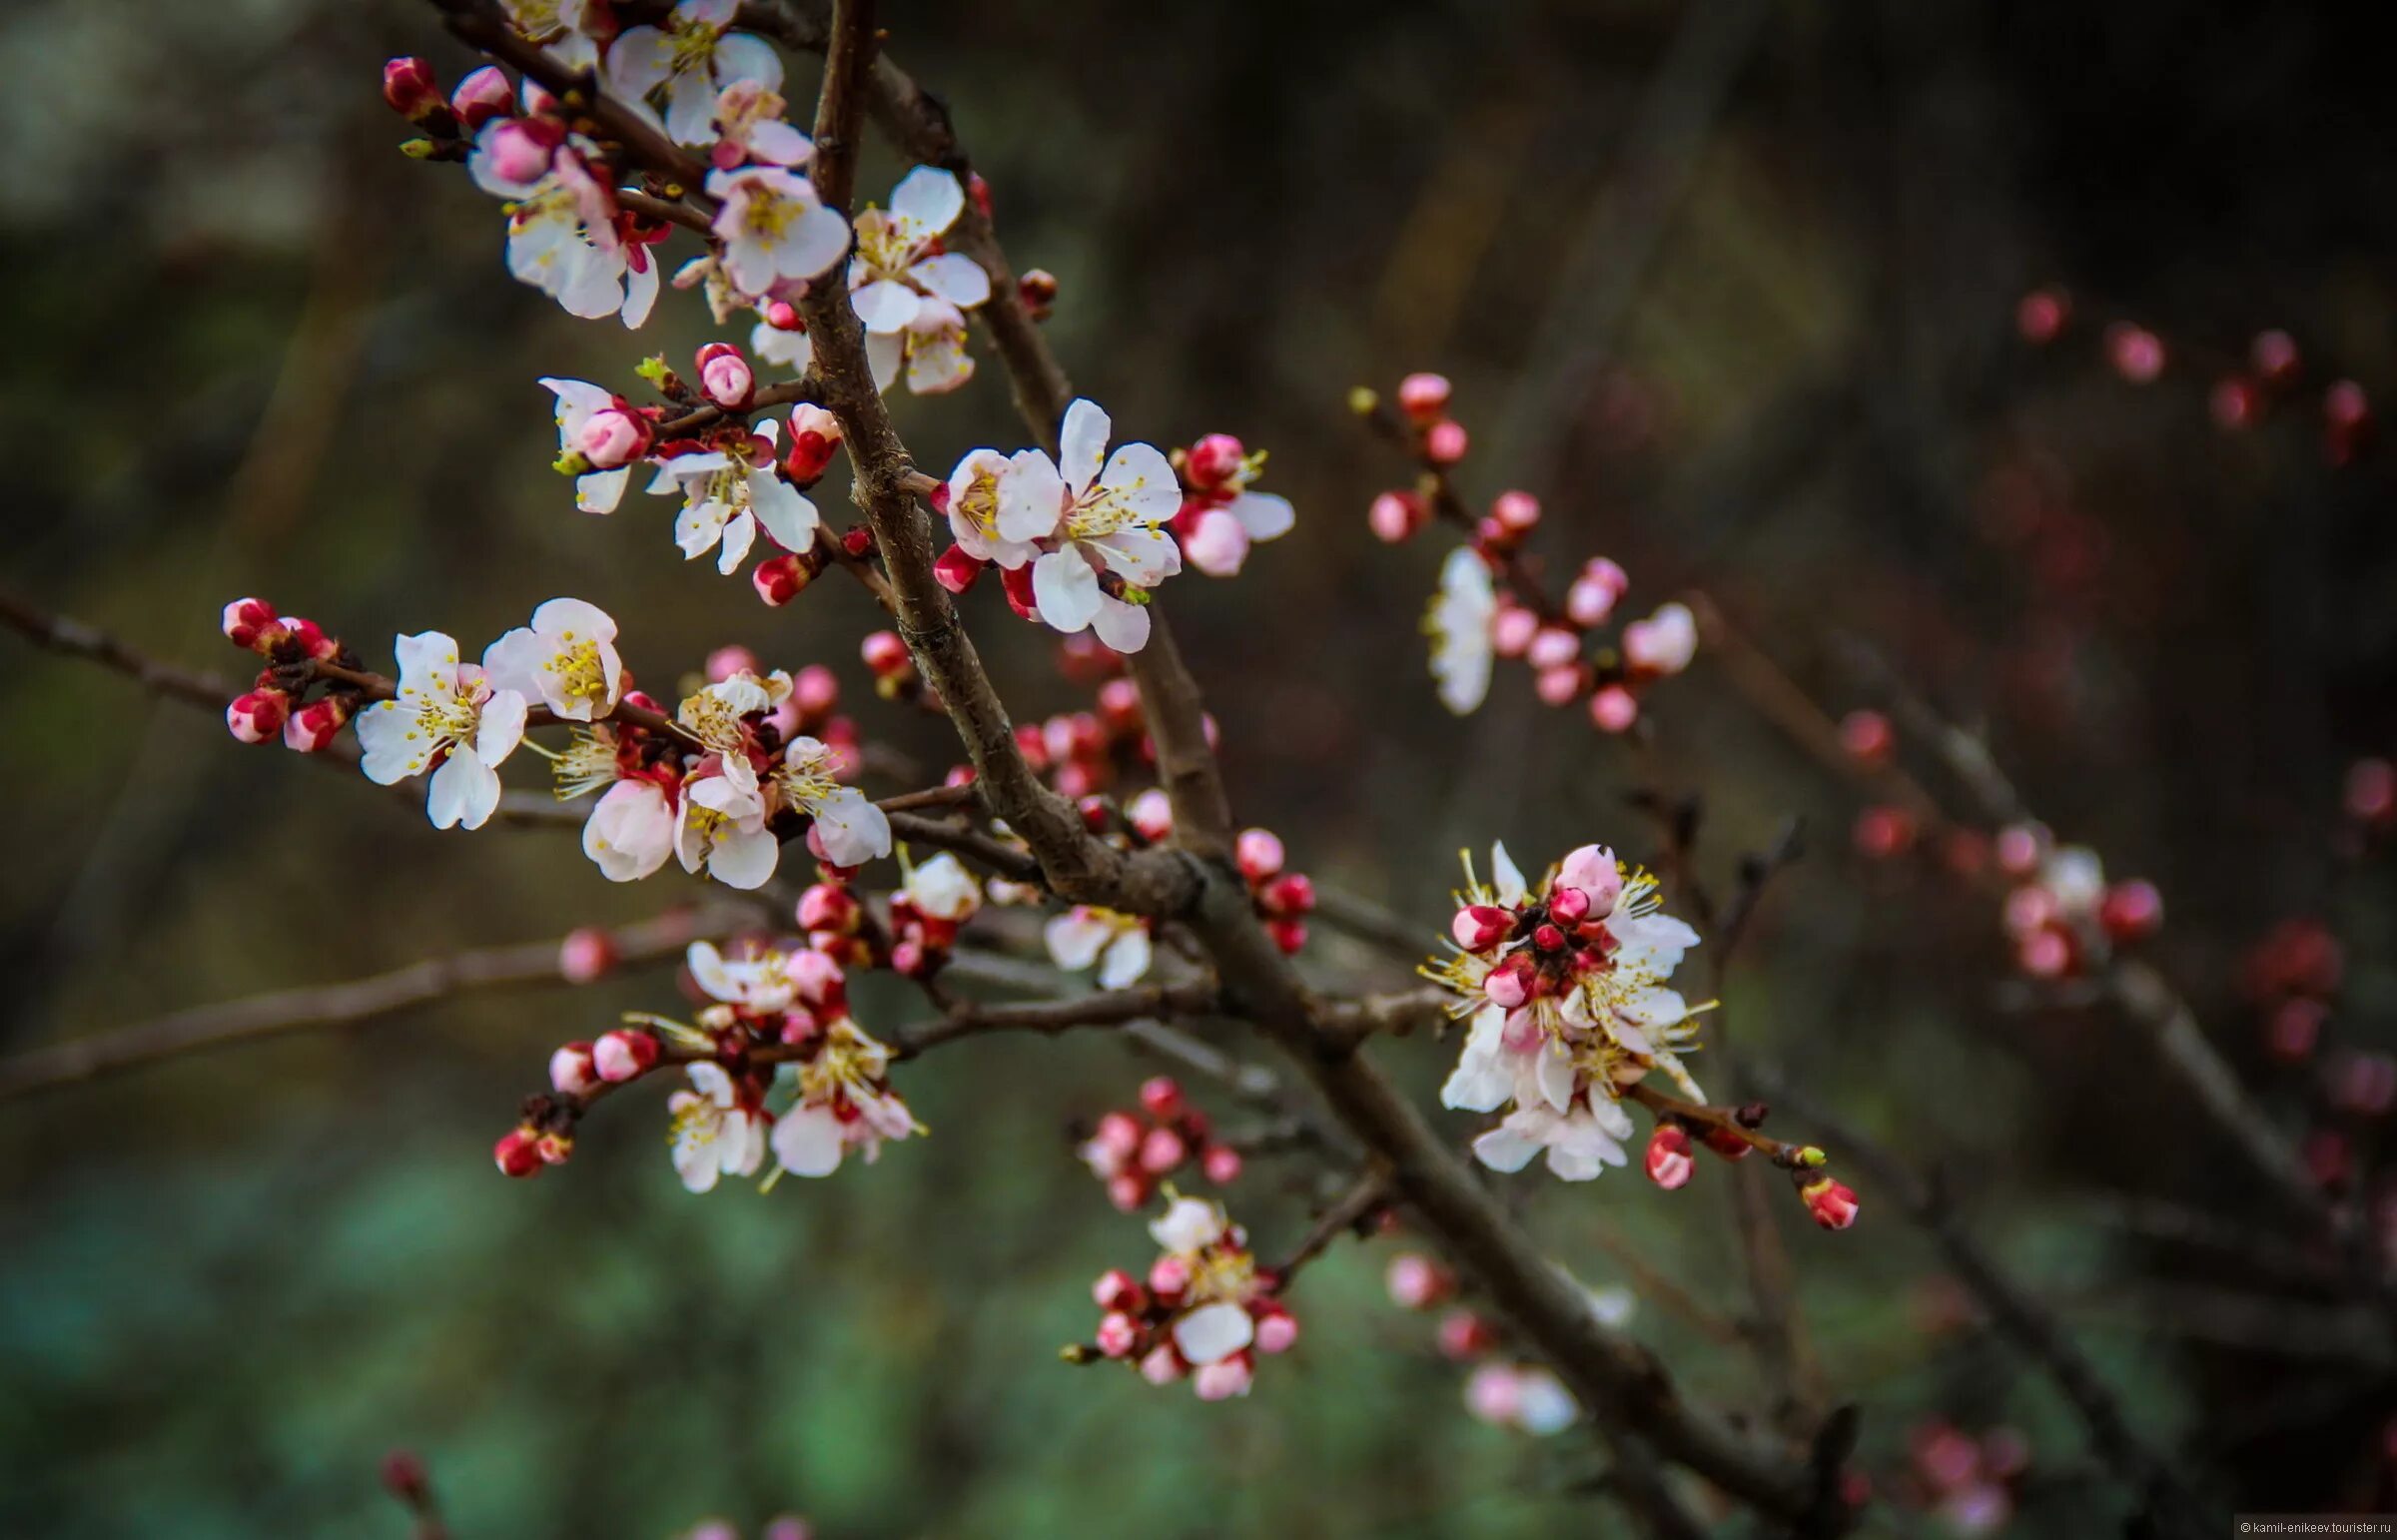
x,y
1396,516
1223,1379
483,95
1220,1164
1479,926
1613,709
519,1152
1517,511
1161,1150
1552,647
1118,1334
815,435
956,570
1290,894
1215,459
1832,1203
1670,1160
724,376
1037,290
251,623
1259,853
614,437
1867,738
1423,396
1277,1330
410,90
885,653
830,906
315,725
1169,1277
257,716
1160,1095
571,1070
779,580
1416,1282
623,1055
1446,443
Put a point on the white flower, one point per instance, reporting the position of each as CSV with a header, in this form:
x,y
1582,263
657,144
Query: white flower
x,y
632,829
1118,943
911,296
1217,533
986,526
695,59
1579,1143
850,829
1188,1225
1459,626
749,123
727,494
566,657
844,1104
448,711
760,983
565,27
713,1134
1105,521
793,348
578,400
724,828
1543,1405
773,228
942,888
563,241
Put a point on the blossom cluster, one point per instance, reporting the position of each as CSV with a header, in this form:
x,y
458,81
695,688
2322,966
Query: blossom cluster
x,y
278,703
1205,1311
1969,1481
1490,605
777,1027
2063,914
1500,1389
1566,986
1134,1152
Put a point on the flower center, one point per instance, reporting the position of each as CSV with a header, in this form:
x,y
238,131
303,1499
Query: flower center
x,y
580,675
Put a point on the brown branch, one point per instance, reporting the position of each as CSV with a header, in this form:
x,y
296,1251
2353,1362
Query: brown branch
x,y
1115,1008
2170,1499
1354,1211
260,1017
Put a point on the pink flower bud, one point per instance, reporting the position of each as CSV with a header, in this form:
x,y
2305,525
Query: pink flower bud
x,y
1151,816
1465,1337
1558,686
1867,738
1213,541
2019,847
1223,1379
1516,513
1596,591
1395,517
1613,709
1591,871
588,953
315,725
519,152
1277,1330
409,89
1128,1192
1479,926
1423,396
1259,853
2136,353
1169,1277
2131,911
1510,983
2274,354
2370,794
1118,1334
1162,1366
1288,935
778,580
1116,1290
251,623
1415,1282
1495,1393
571,1072
483,95
1289,895
729,660
1161,1150
519,1152
2235,403
1446,443
815,435
1215,459
1553,647
1832,1203
1670,1160
1663,643
1162,1097
2046,954
1037,289
614,437
955,571
725,375
1119,1134
257,716
623,1055
1220,1164
1512,631
2041,314
885,655
1883,831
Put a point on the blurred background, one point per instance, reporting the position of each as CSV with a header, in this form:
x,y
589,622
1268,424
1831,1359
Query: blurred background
x,y
1732,285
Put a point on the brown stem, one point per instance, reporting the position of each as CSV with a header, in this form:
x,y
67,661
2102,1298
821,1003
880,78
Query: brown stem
x,y
1115,1008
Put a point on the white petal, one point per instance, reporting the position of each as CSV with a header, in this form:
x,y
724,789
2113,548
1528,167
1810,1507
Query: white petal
x,y
743,858
1125,961
1554,1071
602,490
928,199
1066,589
955,276
819,238
464,792
740,532
807,1142
1080,444
1076,938
1031,497
1142,479
391,754
1505,877
885,352
502,727
852,830
1212,1332
1125,627
1506,1149
785,511
1263,515
427,662
640,292
638,61
885,305
739,57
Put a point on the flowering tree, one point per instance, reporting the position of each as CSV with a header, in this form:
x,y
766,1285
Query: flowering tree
x,y
647,155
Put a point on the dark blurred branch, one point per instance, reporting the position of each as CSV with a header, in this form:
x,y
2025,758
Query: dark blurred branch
x,y
1115,1008
1355,1212
338,1004
2171,1500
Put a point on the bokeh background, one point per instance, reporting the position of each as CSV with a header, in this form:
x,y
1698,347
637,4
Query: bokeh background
x,y
1731,285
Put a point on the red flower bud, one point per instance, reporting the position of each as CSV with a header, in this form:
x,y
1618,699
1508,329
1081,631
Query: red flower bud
x,y
1479,926
410,90
1259,854
1287,934
1396,516
725,376
315,725
1670,1158
2131,911
257,716
1423,396
1215,459
1832,1203
251,623
483,95
1162,1097
625,1054
519,1152
955,571
1037,290
778,580
1446,443
1867,738
2041,314
885,653
1289,895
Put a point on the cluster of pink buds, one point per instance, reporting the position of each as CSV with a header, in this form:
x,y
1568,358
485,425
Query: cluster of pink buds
x,y
1136,1153
1499,1391
1283,898
413,91
2063,914
1969,1482
1082,754
2293,973
1495,607
1672,1159
2248,387
278,702
1221,517
1206,1311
